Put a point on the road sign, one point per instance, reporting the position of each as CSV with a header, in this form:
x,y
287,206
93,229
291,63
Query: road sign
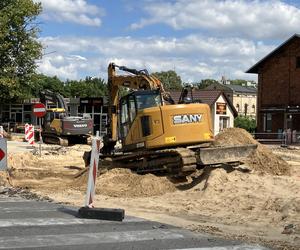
x,y
39,109
3,154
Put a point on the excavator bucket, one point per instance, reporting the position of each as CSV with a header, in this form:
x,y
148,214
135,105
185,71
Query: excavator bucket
x,y
224,154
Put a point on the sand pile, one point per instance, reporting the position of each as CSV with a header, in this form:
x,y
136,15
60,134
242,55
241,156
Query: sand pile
x,y
4,179
124,183
22,160
261,160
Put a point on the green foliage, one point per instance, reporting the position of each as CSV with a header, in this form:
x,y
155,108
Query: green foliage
x,y
19,47
206,82
40,82
90,87
170,79
240,82
246,123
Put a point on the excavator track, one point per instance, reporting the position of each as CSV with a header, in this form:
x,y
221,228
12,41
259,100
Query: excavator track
x,y
174,162
50,139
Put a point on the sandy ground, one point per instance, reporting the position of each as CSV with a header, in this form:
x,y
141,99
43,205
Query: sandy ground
x,y
259,206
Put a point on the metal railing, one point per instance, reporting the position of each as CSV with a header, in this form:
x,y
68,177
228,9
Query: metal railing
x,y
287,137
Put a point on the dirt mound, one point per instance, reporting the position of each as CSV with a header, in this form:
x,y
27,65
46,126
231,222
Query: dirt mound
x,y
22,160
4,179
124,183
261,160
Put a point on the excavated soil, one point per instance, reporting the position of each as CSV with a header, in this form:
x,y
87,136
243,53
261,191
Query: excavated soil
x,y
262,160
259,206
124,183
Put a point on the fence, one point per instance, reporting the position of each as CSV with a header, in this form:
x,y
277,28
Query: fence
x,y
286,137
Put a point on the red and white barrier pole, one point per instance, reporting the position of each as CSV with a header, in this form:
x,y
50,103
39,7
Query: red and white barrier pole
x,y
1,132
26,131
88,211
96,146
29,134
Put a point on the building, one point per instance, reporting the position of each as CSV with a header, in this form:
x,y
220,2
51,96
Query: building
x,y
15,115
242,97
222,109
12,114
278,100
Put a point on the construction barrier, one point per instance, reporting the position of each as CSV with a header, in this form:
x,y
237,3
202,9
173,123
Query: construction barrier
x,y
26,131
89,211
96,146
1,132
29,133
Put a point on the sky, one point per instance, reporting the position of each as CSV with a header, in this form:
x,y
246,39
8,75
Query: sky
x,y
198,39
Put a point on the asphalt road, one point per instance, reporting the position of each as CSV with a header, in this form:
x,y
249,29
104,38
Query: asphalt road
x,y
28,224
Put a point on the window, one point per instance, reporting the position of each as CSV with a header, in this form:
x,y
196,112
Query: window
x,y
223,122
124,128
238,107
253,108
124,112
246,109
132,108
298,62
268,122
148,100
27,107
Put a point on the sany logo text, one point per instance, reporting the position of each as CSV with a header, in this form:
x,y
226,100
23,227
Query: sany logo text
x,y
180,119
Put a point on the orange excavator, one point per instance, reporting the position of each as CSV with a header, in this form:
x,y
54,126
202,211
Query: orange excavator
x,y
157,135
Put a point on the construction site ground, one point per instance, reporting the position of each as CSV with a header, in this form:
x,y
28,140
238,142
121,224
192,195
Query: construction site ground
x,y
256,202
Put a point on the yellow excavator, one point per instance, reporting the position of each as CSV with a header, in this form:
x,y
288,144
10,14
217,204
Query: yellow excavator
x,y
157,135
60,128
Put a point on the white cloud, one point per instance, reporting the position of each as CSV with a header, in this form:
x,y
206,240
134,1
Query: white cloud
x,y
193,57
76,11
255,18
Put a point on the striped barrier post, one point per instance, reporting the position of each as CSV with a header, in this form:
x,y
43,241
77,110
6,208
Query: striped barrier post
x,y
26,131
1,132
96,146
89,211
29,134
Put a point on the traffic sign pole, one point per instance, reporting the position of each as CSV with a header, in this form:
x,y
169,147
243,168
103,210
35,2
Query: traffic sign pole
x,y
40,135
39,110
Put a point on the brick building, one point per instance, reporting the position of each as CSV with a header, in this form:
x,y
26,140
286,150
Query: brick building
x,y
278,99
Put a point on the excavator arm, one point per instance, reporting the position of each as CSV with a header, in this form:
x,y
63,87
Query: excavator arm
x,y
49,96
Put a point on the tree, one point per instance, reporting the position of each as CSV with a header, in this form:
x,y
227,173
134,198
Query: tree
x,y
170,79
90,87
40,82
241,82
19,47
206,82
246,123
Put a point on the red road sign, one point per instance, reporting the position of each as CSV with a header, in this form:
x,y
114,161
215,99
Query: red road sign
x,y
39,109
3,155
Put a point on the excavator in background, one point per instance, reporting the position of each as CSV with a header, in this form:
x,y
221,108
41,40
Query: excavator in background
x,y
60,128
157,135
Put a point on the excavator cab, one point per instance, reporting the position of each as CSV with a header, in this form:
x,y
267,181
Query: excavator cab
x,y
133,103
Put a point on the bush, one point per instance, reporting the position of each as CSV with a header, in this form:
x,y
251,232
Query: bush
x,y
246,123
